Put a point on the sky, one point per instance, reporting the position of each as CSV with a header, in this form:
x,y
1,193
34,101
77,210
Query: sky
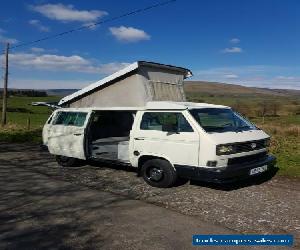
x,y
249,42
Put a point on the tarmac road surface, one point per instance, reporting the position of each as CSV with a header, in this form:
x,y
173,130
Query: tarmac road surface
x,y
44,206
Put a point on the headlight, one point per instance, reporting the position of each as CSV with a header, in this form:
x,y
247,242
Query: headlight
x,y
225,149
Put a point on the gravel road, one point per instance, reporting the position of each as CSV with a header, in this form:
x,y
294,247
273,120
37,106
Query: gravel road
x,y
264,205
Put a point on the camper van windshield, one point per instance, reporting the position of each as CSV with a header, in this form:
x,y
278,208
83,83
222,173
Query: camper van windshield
x,y
218,120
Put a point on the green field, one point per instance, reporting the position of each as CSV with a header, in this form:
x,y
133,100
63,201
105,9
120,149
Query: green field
x,y
20,111
284,128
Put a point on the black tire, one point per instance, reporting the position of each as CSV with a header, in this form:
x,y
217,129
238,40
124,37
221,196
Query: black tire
x,y
65,161
159,173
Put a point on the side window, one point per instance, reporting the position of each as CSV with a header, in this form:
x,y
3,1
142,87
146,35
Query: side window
x,y
70,119
80,119
165,121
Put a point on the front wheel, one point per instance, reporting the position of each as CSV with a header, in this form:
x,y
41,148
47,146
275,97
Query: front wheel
x,y
159,173
65,161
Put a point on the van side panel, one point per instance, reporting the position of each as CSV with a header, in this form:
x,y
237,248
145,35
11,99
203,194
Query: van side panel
x,y
178,148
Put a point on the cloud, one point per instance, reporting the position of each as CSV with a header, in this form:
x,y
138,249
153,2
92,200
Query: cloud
x,y
37,24
109,68
233,50
47,61
42,50
264,76
37,50
231,76
5,39
234,40
33,83
52,62
67,13
270,82
285,77
246,70
129,34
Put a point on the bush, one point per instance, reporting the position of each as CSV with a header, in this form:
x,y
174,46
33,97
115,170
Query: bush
x,y
243,109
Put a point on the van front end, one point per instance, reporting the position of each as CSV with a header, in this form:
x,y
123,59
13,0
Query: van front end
x,y
232,162
231,148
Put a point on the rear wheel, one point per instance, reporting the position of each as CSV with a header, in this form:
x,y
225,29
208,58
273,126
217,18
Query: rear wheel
x,y
159,173
65,161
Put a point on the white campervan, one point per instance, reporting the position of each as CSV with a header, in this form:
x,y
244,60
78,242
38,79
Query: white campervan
x,y
163,140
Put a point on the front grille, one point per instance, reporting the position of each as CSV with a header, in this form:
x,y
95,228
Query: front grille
x,y
247,159
249,146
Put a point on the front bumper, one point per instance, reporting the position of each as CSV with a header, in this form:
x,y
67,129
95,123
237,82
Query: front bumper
x,y
229,174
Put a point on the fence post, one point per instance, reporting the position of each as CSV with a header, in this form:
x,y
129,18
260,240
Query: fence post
x,y
28,123
4,105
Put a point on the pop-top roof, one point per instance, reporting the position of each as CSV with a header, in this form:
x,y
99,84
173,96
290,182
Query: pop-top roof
x,y
156,105
186,72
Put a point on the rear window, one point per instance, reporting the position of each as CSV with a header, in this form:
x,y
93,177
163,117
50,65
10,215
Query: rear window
x,y
70,118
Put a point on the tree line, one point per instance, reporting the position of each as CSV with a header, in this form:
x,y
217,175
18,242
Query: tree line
x,y
27,93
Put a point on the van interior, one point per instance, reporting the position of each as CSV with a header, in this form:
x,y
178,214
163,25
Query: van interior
x,y
109,135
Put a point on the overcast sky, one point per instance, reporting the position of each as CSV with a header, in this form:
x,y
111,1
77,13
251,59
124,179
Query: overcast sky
x,y
253,43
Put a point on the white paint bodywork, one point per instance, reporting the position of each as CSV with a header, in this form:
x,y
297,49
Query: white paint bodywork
x,y
185,148
66,140
209,142
181,148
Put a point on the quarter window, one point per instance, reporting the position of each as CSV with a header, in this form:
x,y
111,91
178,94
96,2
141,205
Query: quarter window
x,y
165,121
70,119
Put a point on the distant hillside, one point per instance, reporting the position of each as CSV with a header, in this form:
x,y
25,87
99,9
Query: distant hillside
x,y
206,88
217,88
39,92
60,92
25,92
210,88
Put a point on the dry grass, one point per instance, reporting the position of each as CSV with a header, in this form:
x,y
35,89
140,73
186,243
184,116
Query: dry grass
x,y
13,127
13,132
291,130
285,145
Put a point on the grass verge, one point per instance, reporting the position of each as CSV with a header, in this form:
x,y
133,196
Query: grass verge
x,y
21,136
286,147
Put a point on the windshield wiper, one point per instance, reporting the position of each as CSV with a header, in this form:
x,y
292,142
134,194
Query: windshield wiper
x,y
240,128
213,128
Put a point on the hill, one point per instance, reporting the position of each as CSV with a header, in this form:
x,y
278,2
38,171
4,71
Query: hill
x,y
38,92
60,92
225,89
202,88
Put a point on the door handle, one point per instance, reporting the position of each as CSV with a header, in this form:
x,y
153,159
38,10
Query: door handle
x,y
78,134
139,138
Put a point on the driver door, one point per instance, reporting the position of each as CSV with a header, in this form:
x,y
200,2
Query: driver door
x,y
168,135
66,134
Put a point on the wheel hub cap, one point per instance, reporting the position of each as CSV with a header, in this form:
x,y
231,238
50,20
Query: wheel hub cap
x,y
155,174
